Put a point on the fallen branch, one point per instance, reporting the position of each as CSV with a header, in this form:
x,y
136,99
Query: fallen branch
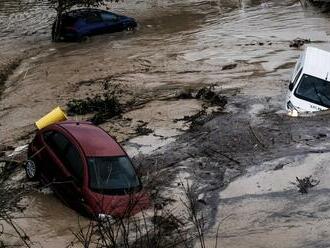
x,y
305,184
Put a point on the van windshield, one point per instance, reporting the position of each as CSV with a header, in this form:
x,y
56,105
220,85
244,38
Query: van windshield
x,y
314,90
112,175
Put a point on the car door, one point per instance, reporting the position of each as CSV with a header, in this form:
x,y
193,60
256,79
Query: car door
x,y
94,23
67,167
112,22
53,150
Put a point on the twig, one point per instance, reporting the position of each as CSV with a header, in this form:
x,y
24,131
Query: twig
x,y
256,137
226,156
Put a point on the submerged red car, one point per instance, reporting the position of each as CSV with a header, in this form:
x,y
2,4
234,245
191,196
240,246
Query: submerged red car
x,y
86,168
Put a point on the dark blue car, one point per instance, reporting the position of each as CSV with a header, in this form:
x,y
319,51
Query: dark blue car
x,y
81,23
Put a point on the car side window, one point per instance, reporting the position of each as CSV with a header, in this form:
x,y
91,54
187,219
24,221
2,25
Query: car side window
x,y
93,18
68,21
107,17
67,153
73,161
57,142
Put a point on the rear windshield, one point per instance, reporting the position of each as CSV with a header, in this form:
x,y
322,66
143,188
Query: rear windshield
x,y
112,175
314,90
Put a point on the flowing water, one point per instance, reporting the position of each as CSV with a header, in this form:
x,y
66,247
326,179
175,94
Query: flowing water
x,y
178,44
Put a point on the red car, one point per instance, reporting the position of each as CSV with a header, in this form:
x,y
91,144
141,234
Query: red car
x,y
86,168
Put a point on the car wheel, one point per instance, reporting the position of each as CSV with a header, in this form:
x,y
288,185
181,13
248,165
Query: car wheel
x,y
83,38
31,170
130,28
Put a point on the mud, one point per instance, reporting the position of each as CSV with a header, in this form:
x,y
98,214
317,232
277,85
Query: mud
x,y
239,47
265,204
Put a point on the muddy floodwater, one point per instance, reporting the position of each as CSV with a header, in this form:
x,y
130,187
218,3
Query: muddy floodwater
x,y
242,158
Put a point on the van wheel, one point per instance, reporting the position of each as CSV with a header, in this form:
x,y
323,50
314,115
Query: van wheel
x,y
32,170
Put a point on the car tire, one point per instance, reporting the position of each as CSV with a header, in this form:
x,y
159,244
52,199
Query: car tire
x,y
32,170
83,38
130,28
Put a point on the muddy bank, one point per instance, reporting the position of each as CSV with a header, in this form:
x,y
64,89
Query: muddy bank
x,y
224,148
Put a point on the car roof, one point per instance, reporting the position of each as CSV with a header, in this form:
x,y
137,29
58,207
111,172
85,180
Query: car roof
x,y
83,11
94,141
317,63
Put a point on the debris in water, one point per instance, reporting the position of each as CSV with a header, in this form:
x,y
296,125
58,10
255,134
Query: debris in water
x,y
321,135
305,184
104,107
207,94
143,130
7,167
167,223
185,94
298,42
201,199
18,150
229,67
278,167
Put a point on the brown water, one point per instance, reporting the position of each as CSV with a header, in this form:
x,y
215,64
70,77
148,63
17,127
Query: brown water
x,y
177,45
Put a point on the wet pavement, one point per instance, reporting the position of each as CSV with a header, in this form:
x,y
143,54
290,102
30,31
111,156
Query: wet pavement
x,y
186,46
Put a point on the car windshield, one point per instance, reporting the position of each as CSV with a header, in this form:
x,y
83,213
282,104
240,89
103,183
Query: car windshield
x,y
112,175
314,89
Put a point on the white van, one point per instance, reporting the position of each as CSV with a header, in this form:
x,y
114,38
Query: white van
x,y
309,88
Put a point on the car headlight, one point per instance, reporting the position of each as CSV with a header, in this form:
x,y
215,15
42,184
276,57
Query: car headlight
x,y
106,217
292,111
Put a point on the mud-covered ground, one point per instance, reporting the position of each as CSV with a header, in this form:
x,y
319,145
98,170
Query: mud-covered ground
x,y
242,49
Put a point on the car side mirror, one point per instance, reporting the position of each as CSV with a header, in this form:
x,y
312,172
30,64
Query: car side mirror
x,y
291,86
